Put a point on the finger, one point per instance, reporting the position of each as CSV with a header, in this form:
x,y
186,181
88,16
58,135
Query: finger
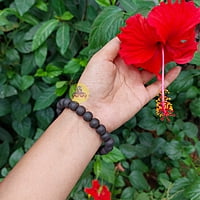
x,y
155,88
110,50
146,76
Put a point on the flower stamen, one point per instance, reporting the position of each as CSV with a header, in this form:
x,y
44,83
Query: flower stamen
x,y
164,109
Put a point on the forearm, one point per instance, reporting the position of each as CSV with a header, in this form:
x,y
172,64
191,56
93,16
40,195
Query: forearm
x,y
54,164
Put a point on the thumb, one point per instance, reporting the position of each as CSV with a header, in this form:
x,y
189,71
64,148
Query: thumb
x,y
110,50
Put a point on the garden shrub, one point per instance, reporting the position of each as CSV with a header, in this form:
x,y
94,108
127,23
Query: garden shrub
x,y
45,46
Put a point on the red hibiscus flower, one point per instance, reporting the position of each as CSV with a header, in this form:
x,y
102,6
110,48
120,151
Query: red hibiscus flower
x,y
166,34
98,192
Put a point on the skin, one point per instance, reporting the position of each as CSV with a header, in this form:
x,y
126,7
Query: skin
x,y
51,168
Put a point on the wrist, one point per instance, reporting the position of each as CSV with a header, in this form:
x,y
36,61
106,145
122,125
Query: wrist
x,y
93,122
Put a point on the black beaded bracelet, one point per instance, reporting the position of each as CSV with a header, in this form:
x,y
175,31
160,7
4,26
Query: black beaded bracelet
x,y
108,142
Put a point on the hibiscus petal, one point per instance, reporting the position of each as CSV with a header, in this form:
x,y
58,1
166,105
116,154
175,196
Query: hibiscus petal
x,y
154,64
174,19
136,47
105,194
182,51
175,24
93,191
95,184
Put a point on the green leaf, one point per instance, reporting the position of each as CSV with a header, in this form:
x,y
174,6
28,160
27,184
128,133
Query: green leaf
x,y
13,56
175,174
183,82
128,150
196,59
158,165
195,108
66,16
24,5
192,92
142,196
3,78
197,2
63,37
127,193
103,2
43,33
148,124
105,27
23,128
28,64
190,129
138,181
58,6
44,117
5,135
42,5
20,42
60,91
163,179
4,21
60,84
180,185
144,6
38,133
40,55
30,19
22,82
20,111
28,144
107,172
97,166
4,172
130,6
72,66
114,156
53,71
26,82
40,73
7,91
4,107
84,26
15,157
24,96
174,150
161,128
5,150
193,191
119,182
138,165
45,99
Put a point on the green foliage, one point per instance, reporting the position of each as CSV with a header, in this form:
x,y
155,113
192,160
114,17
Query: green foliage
x,y
45,45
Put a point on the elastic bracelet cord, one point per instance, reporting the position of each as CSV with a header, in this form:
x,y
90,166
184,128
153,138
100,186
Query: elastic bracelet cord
x,y
94,123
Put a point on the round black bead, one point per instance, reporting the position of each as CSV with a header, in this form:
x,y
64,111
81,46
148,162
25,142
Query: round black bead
x,y
87,116
58,111
105,136
60,104
73,105
101,129
94,123
80,110
109,143
108,148
102,151
66,102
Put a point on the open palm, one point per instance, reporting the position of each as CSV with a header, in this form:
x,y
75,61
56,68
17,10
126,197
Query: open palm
x,y
117,91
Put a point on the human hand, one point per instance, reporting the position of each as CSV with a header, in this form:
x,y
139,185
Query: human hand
x,y
117,91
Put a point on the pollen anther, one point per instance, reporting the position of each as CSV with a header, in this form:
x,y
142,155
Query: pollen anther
x,y
164,109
